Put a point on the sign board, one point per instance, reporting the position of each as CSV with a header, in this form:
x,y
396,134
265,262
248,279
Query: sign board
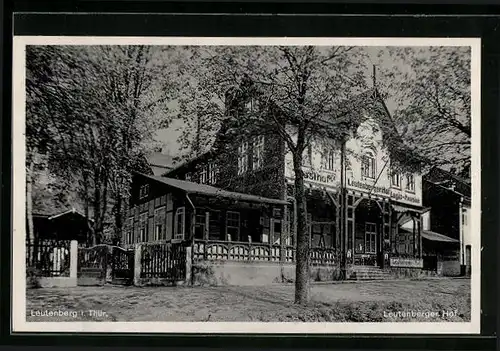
x,y
394,194
406,262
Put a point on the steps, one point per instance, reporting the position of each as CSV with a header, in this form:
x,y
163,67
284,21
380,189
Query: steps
x,y
369,273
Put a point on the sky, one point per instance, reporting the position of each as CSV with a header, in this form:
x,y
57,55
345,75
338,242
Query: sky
x,y
169,136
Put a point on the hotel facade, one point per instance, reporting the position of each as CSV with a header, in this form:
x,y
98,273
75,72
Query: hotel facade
x,y
363,209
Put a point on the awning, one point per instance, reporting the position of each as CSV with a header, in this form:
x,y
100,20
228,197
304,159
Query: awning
x,y
207,190
403,209
433,236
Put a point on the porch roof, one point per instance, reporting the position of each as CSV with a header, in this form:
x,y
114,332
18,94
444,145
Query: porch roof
x,y
207,190
433,236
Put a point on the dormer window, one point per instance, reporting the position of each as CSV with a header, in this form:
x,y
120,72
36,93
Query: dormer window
x,y
144,191
368,166
410,182
204,175
251,105
212,172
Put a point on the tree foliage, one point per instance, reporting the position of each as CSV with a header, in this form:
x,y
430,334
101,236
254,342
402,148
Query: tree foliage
x,y
433,92
97,107
298,93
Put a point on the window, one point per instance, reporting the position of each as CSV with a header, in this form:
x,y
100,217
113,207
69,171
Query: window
x,y
200,225
130,231
204,175
464,217
159,233
370,238
258,152
214,225
180,216
410,182
329,160
251,105
143,191
212,173
243,158
233,225
368,166
143,231
307,157
395,179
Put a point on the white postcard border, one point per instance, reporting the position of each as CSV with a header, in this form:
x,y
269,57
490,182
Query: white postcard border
x,y
18,292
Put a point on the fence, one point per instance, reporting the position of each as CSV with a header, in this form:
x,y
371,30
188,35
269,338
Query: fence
x,y
50,258
165,261
247,251
122,263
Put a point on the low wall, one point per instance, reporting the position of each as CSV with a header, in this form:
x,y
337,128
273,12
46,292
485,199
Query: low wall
x,y
57,282
255,273
405,272
449,268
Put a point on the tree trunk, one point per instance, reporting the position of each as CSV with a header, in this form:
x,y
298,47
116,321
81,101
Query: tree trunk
x,y
118,220
302,255
29,208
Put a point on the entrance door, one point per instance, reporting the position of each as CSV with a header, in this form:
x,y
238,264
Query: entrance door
x,y
370,238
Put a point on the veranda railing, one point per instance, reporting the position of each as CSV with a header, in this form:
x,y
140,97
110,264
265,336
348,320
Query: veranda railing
x,y
250,251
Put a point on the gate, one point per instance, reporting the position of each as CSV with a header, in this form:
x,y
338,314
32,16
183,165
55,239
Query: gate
x,y
103,264
122,265
165,262
92,265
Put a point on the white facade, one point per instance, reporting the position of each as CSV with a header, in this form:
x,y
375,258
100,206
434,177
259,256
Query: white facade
x,y
366,145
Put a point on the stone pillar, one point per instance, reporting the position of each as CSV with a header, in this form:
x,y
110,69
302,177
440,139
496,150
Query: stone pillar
x,y
73,263
137,264
189,265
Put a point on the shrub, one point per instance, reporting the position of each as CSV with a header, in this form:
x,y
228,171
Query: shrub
x,y
33,276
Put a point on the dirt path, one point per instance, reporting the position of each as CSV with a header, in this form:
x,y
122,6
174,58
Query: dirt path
x,y
364,301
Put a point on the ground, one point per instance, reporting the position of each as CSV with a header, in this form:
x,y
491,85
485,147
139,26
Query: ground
x,y
335,302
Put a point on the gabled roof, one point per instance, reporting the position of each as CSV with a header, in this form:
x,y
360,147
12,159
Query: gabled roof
x,y
53,216
207,190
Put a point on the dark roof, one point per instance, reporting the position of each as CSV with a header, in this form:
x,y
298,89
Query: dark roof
x,y
159,159
449,180
207,190
433,236
55,215
187,163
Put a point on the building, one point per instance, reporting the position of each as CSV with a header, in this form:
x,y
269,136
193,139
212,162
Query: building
x,y
360,197
62,225
450,197
160,163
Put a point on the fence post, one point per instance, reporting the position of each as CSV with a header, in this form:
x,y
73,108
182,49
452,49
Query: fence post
x,y
73,259
137,264
189,265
